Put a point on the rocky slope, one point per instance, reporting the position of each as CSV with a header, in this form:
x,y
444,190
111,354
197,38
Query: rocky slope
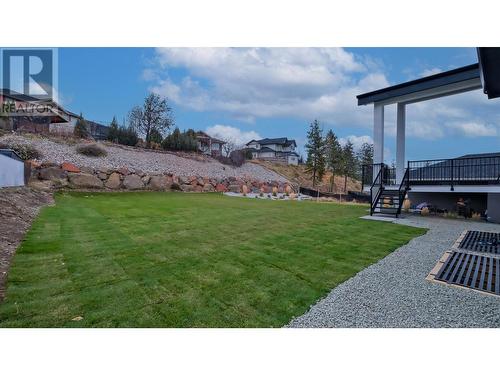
x,y
142,160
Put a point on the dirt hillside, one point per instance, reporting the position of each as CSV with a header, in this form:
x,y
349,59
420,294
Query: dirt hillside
x,y
298,175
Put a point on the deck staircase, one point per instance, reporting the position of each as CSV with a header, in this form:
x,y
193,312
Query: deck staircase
x,y
387,198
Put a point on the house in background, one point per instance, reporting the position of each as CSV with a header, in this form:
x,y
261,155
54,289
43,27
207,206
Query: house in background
x,y
209,145
56,120
279,150
440,182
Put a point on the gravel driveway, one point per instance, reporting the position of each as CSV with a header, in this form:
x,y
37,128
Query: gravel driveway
x,y
394,292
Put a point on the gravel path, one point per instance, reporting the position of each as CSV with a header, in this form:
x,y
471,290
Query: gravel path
x,y
146,161
394,292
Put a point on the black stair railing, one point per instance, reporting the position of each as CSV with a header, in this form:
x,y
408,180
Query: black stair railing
x,y
376,188
404,186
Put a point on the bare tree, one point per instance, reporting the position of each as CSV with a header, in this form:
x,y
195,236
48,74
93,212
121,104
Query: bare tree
x,y
229,146
154,117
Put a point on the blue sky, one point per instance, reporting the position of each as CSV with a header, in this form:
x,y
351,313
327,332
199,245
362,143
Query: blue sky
x,y
273,92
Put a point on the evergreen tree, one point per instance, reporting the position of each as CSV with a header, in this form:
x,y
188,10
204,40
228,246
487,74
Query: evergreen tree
x,y
81,129
349,163
315,152
364,156
113,132
333,155
155,136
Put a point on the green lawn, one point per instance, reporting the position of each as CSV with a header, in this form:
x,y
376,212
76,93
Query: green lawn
x,y
186,260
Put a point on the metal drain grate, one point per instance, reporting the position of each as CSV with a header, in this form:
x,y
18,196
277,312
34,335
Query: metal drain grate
x,y
481,241
479,272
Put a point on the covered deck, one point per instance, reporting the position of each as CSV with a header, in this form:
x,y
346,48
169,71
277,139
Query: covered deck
x,y
468,173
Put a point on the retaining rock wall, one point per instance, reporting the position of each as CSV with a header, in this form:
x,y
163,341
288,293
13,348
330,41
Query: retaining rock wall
x,y
68,176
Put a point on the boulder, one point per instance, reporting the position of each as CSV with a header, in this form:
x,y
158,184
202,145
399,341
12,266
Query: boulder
x,y
85,180
102,176
87,170
175,186
51,173
187,188
132,182
145,179
113,181
221,188
69,167
208,188
123,171
234,188
159,183
198,188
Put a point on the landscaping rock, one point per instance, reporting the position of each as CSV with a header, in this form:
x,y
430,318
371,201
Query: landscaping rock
x,y
187,188
221,188
85,180
69,167
114,181
132,182
159,183
102,176
51,173
234,188
208,188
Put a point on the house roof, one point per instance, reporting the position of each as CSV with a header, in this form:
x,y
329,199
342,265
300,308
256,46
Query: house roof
x,y
274,141
10,153
483,155
435,81
200,134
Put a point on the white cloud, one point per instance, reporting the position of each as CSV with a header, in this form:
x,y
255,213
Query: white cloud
x,y
307,83
236,135
430,72
357,141
252,83
474,129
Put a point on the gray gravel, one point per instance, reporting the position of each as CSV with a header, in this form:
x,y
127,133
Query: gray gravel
x,y
146,161
394,292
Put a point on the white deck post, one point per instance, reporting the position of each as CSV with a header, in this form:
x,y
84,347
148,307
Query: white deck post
x,y
400,142
378,136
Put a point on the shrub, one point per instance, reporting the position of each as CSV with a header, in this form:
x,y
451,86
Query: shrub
x,y
177,141
91,149
81,130
24,150
248,154
237,158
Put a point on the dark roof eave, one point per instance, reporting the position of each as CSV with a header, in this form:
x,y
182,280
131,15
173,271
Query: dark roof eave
x,y
464,73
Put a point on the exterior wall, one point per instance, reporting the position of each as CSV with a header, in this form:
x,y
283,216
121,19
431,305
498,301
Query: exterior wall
x,y
294,160
63,128
494,207
11,172
448,201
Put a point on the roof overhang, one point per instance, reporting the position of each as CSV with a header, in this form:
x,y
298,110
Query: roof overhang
x,y
489,63
451,82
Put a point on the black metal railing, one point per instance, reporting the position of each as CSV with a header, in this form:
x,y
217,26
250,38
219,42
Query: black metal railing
x,y
376,189
369,170
461,171
404,186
